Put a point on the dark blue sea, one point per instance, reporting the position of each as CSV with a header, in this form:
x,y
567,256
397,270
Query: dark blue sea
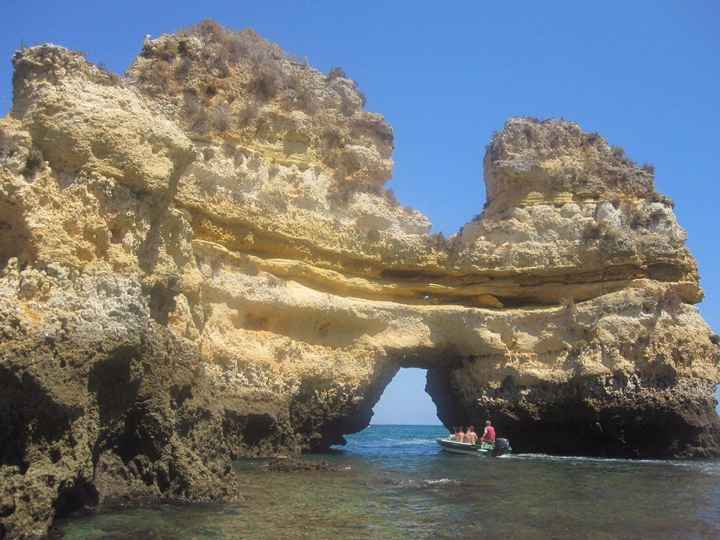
x,y
397,484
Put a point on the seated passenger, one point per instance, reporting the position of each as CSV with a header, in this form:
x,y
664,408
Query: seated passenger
x,y
471,437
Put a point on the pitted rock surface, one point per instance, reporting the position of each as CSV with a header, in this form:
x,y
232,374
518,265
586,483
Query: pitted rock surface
x,y
199,262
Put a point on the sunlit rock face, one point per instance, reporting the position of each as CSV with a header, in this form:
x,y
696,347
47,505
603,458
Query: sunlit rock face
x,y
200,261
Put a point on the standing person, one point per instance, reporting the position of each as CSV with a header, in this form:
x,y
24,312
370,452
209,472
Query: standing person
x,y
489,433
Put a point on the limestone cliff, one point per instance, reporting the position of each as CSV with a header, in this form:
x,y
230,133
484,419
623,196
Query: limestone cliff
x,y
200,261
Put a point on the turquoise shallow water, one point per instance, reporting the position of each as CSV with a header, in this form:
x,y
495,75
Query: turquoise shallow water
x,y
398,484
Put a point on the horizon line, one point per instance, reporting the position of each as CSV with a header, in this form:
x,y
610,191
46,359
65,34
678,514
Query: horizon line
x,y
373,424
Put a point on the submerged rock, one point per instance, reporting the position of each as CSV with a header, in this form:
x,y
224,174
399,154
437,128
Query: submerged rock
x,y
298,465
199,261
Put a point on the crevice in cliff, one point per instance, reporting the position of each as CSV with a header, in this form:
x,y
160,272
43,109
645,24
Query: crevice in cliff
x,y
115,392
29,415
81,495
162,295
14,235
150,249
163,290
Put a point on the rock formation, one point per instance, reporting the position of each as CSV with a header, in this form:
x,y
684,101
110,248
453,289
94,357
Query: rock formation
x,y
199,261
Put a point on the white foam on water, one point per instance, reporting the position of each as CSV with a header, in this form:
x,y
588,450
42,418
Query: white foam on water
x,y
705,467
441,481
405,442
586,459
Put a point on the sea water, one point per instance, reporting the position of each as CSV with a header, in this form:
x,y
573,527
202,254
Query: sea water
x,y
396,482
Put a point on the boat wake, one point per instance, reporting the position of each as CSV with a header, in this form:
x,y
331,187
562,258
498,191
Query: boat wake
x,y
583,459
408,442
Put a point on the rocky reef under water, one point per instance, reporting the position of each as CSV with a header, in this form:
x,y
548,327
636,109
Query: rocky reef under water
x,y
199,261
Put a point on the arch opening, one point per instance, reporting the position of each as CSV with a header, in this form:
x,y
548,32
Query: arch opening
x,y
420,388
405,401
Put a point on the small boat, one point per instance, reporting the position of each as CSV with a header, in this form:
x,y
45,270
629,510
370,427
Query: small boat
x,y
501,446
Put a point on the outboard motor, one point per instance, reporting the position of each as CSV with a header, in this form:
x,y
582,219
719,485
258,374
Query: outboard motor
x,y
502,446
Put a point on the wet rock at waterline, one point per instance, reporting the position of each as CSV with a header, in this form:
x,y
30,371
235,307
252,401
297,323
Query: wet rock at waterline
x,y
200,262
302,465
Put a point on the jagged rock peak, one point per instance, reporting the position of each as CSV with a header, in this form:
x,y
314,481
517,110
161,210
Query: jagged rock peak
x,y
236,85
555,161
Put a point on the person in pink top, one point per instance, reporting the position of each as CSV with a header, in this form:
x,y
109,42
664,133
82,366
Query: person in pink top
x,y
489,433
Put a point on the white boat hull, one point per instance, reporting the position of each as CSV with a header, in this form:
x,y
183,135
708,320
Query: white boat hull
x,y
483,449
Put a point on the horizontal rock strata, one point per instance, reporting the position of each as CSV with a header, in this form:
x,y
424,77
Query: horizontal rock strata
x,y
200,261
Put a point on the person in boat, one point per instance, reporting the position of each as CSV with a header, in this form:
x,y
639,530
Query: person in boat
x,y
488,435
459,435
471,437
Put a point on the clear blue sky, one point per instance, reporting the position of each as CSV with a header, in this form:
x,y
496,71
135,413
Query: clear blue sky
x,y
645,74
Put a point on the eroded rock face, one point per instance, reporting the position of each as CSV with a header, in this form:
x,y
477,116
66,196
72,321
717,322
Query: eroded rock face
x,y
200,262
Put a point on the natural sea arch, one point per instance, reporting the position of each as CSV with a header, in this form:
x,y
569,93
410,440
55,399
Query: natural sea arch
x,y
557,419
436,381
